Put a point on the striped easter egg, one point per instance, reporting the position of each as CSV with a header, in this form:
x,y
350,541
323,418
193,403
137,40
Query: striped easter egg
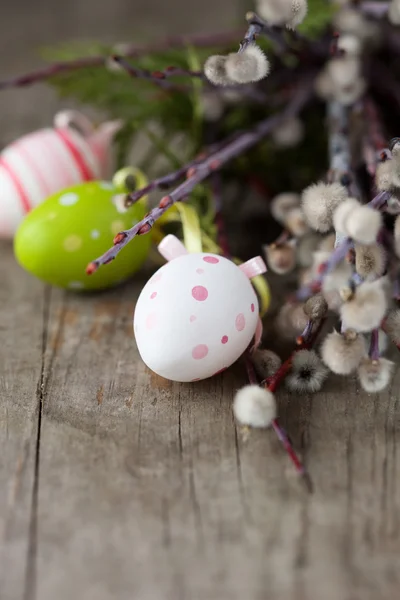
x,y
47,161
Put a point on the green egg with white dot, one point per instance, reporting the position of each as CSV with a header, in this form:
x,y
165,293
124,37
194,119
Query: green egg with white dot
x,y
58,239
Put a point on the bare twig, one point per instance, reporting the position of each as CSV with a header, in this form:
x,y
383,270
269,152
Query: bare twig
x,y
134,51
201,171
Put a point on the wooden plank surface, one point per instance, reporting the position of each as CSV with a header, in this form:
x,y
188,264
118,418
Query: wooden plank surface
x,y
117,485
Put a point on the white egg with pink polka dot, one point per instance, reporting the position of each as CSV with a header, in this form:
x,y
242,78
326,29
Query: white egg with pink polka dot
x,y
197,315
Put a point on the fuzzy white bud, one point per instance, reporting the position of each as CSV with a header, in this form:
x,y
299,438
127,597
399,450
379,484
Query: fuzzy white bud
x,y
350,94
212,106
370,260
316,307
366,308
319,202
291,321
335,281
215,70
394,12
363,224
393,204
289,134
282,12
254,406
344,70
351,21
341,214
323,85
395,165
341,80
375,375
306,246
350,45
392,325
296,223
307,374
280,258
248,66
282,204
266,362
384,176
342,353
299,9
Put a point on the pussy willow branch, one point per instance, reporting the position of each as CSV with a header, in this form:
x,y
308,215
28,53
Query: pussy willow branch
x,y
160,78
374,142
339,148
279,431
167,181
306,343
201,171
221,39
258,27
272,384
157,77
339,254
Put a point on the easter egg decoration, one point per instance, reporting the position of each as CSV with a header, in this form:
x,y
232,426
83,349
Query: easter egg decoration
x,y
197,314
58,238
49,160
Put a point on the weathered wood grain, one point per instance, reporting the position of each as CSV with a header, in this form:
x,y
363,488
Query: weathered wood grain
x,y
144,488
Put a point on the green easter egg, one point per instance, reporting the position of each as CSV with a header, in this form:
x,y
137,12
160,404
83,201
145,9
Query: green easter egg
x,y
58,239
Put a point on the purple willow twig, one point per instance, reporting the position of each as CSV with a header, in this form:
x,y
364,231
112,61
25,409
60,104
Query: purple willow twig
x,y
132,51
340,169
378,10
212,163
340,252
374,352
259,27
279,431
157,77
167,181
374,142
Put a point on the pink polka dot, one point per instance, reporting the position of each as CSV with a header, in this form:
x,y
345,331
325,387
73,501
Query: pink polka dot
x,y
200,271
224,339
240,322
200,293
212,260
200,351
252,308
192,318
154,294
151,321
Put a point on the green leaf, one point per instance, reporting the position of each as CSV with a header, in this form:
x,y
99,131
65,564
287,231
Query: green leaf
x,y
319,17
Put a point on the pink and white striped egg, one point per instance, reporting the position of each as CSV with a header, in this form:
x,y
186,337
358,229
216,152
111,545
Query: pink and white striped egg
x,y
197,314
45,162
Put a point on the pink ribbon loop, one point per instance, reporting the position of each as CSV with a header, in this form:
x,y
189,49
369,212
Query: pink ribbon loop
x,y
253,267
170,248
